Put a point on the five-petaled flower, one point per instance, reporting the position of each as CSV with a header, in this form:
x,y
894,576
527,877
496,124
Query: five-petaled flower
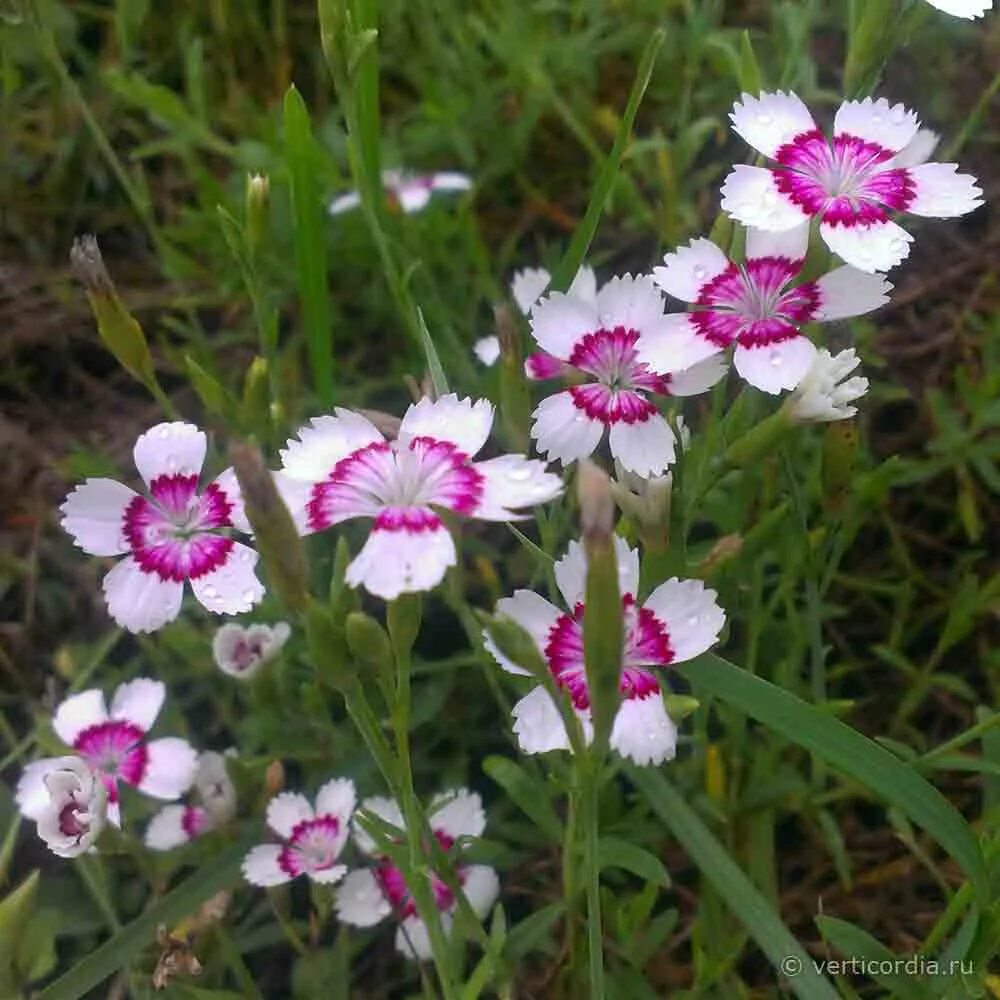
x,y
850,184
758,307
115,746
242,651
411,192
68,802
341,467
368,895
605,344
678,621
172,535
312,838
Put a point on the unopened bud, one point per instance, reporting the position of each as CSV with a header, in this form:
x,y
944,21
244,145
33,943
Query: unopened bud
x,y
369,644
274,777
277,537
597,505
515,399
257,395
257,210
402,617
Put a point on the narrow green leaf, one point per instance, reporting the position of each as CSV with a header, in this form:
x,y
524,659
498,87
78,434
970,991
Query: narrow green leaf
x,y
116,953
616,852
580,244
434,368
847,750
734,888
750,78
531,934
310,243
530,797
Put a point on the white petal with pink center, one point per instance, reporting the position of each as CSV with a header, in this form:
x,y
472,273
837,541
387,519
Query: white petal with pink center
x,y
918,149
312,839
172,535
685,272
850,183
846,291
174,826
360,901
170,766
563,432
70,807
529,284
963,8
487,350
324,441
679,620
645,447
463,422
699,377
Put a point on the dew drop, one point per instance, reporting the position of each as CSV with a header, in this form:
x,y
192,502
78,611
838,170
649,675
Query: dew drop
x,y
700,271
775,360
163,433
693,620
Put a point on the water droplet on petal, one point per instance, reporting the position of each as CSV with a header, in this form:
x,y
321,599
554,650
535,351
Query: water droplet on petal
x,y
776,360
700,271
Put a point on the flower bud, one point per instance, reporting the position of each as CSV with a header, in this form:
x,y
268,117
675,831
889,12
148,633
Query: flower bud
x,y
370,646
274,778
257,207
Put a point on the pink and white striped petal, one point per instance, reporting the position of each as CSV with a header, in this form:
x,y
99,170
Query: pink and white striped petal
x,y
410,557
463,422
634,303
775,366
691,614
643,732
286,811
846,291
562,431
688,269
170,767
675,344
141,601
943,193
645,447
387,810
323,442
879,246
559,321
534,614
481,887
360,901
139,701
889,126
963,8
262,866
457,813
232,588
791,244
170,449
751,196
79,712
94,514
174,826
769,121
699,377
571,571
513,481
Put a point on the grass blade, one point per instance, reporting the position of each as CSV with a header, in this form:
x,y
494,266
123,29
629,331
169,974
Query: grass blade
x,y
580,244
850,752
434,368
746,901
310,243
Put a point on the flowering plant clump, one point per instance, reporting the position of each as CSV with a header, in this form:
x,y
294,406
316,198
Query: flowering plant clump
x,y
645,543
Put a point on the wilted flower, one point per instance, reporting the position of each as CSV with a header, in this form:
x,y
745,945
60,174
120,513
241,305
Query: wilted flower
x,y
823,395
241,651
68,802
115,744
312,838
172,535
411,192
341,467
608,344
757,306
678,621
850,184
216,805
368,895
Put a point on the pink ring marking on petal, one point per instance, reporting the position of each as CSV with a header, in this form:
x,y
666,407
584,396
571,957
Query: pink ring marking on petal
x,y
391,881
312,847
194,821
412,520
115,749
174,493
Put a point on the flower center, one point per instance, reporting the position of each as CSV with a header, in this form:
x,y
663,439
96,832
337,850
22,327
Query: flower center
x,y
313,846
115,749
74,820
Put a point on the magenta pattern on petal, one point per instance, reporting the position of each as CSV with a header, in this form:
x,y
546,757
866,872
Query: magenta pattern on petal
x,y
116,750
312,847
393,884
194,821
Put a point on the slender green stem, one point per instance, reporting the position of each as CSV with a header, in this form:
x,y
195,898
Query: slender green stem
x,y
287,929
590,772
98,892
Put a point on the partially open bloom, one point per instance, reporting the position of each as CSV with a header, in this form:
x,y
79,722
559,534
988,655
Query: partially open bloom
x,y
368,895
115,745
411,192
341,467
605,346
678,621
825,393
758,307
312,839
215,805
68,802
963,8
241,651
850,184
172,535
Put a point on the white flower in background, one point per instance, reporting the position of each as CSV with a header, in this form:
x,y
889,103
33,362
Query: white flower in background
x,y
68,802
369,895
757,307
115,745
215,806
850,184
172,535
487,350
678,621
606,344
312,839
241,651
411,192
342,467
963,8
823,395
